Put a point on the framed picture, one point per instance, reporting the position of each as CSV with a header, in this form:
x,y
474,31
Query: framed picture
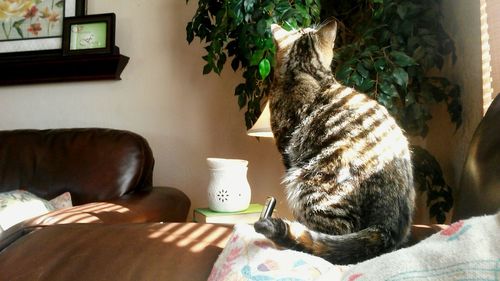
x,y
27,25
93,34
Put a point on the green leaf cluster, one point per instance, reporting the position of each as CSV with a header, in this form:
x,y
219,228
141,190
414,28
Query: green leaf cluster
x,y
386,49
239,31
429,179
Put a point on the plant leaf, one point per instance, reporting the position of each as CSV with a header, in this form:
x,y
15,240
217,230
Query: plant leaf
x,y
18,23
400,77
207,68
17,26
402,10
248,5
388,89
189,33
402,59
344,72
356,79
362,70
264,68
256,57
262,27
366,85
235,63
380,65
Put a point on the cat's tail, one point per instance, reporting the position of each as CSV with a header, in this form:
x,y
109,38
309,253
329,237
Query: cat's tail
x,y
337,249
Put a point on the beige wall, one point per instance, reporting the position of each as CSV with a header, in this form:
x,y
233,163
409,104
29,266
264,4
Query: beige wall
x,y
163,96
187,116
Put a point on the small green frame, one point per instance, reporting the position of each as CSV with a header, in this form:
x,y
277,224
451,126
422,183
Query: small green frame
x,y
92,34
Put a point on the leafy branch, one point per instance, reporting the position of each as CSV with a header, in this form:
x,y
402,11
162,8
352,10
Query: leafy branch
x,y
387,48
240,30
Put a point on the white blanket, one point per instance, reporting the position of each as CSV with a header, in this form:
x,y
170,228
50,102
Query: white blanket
x,y
467,250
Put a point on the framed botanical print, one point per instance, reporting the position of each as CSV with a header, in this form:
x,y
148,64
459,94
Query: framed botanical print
x,y
33,25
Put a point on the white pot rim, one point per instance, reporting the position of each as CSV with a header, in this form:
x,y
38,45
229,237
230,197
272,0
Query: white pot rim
x,y
218,163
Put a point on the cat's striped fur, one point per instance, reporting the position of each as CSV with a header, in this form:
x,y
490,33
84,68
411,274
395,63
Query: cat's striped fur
x,y
349,179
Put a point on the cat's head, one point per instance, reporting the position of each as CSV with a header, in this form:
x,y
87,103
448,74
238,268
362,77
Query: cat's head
x,y
314,44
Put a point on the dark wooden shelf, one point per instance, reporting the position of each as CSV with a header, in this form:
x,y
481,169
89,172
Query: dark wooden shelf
x,y
47,67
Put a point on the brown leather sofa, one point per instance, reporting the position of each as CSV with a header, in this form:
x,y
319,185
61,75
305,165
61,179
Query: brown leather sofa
x,y
108,173
479,190
187,251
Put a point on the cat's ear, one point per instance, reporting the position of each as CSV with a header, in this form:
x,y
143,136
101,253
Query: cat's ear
x,y
279,33
327,34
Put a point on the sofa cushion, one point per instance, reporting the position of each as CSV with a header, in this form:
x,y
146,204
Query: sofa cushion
x,y
126,252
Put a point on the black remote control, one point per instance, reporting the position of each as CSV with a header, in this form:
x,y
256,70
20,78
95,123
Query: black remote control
x,y
268,209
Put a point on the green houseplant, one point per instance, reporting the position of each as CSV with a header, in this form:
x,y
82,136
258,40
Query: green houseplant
x,y
385,48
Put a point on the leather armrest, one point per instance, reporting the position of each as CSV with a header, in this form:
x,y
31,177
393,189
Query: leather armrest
x,y
159,204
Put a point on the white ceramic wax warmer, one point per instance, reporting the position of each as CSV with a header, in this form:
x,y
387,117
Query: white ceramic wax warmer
x,y
228,188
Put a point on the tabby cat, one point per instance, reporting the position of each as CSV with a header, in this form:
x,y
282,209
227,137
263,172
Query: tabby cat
x,y
349,178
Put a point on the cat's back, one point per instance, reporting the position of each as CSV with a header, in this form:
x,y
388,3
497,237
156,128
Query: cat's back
x,y
343,123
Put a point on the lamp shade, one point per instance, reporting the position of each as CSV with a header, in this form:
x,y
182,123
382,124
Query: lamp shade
x,y
262,128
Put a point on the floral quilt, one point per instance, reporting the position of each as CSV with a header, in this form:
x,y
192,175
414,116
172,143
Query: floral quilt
x,y
466,250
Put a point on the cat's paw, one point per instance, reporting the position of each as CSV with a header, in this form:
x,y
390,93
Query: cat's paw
x,y
272,228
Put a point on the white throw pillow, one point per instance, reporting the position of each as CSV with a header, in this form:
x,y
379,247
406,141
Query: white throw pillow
x,y
62,201
19,205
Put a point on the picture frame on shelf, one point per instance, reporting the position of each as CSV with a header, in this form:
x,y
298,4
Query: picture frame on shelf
x,y
92,34
35,25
